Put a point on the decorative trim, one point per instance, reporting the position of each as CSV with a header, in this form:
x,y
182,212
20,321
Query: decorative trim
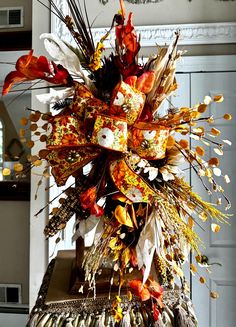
x,y
191,34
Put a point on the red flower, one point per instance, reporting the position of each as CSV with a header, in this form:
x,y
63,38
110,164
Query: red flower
x,y
29,67
88,198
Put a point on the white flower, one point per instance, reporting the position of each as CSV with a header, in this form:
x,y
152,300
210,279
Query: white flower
x,y
134,195
105,137
152,172
119,100
149,135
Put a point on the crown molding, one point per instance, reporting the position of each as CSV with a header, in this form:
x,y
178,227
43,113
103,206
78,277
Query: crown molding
x,y
191,34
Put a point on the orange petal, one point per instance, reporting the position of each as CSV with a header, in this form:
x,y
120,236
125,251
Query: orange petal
x,y
11,79
145,82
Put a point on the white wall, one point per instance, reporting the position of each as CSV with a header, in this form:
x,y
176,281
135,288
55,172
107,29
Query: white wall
x,y
14,245
165,12
13,320
27,4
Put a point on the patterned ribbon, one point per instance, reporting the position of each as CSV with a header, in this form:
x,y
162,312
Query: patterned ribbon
x,y
78,134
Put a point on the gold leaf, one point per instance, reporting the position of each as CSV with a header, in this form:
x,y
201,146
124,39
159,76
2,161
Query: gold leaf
x,y
129,296
184,144
125,257
215,131
214,295
202,108
30,144
37,163
190,222
122,216
214,161
193,268
202,280
227,117
6,172
23,121
219,98
215,228
200,151
203,216
18,167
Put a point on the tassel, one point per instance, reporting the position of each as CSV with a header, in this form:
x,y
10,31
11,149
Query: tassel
x,y
101,320
43,319
183,318
69,322
32,322
126,320
76,321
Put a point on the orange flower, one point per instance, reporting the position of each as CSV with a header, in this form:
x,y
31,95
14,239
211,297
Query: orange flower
x,y
139,289
29,67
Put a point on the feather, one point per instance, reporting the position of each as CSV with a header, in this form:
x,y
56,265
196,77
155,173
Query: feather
x,y
55,96
59,51
64,55
150,240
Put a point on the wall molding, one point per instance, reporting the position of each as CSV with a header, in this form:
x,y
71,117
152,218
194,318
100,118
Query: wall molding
x,y
191,34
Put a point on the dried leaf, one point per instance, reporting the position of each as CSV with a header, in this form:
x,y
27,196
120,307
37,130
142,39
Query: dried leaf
x,y
6,172
227,117
203,216
214,295
24,121
219,98
122,216
202,108
202,280
218,151
215,228
227,179
18,167
193,268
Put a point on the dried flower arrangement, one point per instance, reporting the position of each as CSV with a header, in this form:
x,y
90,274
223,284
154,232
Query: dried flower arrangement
x,y
132,194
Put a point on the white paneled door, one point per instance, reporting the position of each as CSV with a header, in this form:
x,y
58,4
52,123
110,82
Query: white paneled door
x,y
220,247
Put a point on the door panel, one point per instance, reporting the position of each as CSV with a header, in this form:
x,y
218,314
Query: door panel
x,y
219,248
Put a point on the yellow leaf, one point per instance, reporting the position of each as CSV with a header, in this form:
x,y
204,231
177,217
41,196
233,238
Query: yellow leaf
x,y
112,243
125,257
122,216
203,216
129,295
18,167
215,131
193,268
170,142
6,172
202,280
219,98
215,228
24,121
200,151
190,222
227,117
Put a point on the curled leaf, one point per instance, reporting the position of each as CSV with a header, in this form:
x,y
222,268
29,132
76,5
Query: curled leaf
x,y
219,98
122,216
